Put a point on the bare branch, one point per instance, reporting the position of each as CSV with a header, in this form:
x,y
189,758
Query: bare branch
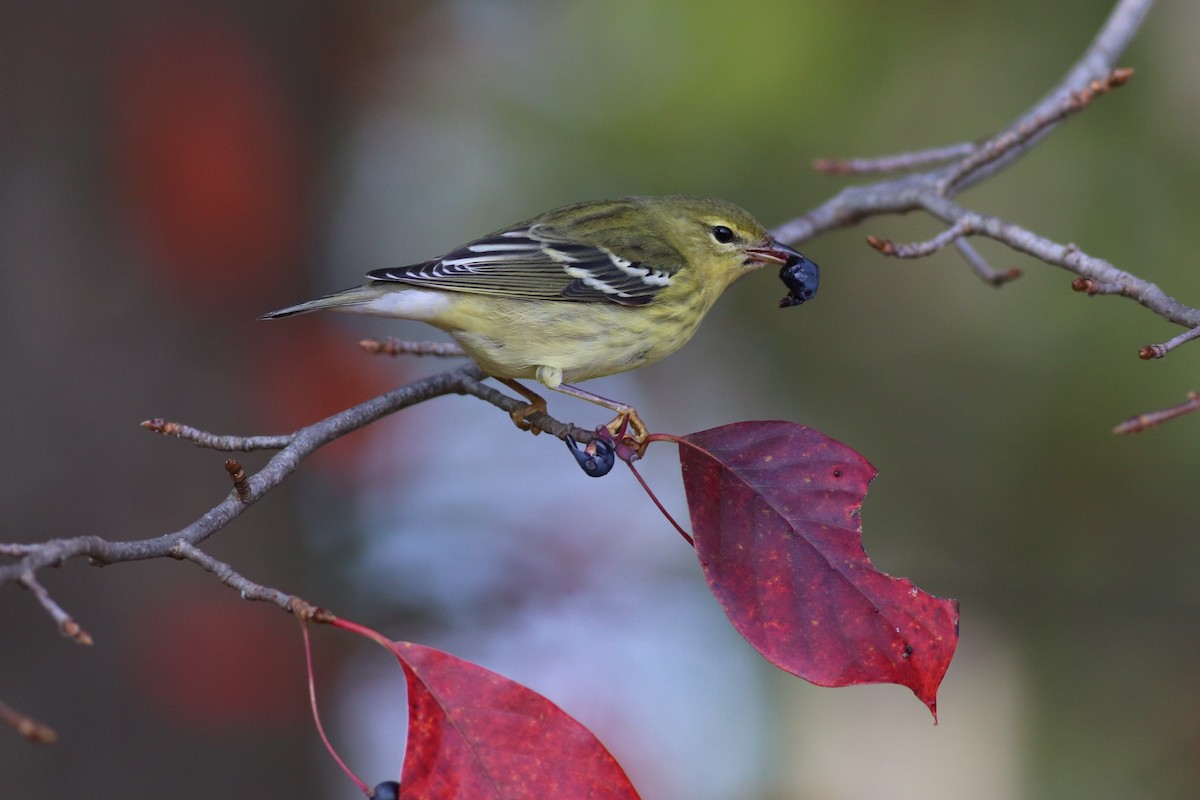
x,y
894,163
241,487
539,420
1092,287
248,589
1143,421
1027,130
921,249
213,441
982,268
392,346
27,726
1159,350
67,625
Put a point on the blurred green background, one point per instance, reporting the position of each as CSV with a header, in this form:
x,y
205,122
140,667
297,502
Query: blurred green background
x,y
169,171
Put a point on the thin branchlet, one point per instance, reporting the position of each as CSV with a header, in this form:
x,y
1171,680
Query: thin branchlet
x,y
1141,422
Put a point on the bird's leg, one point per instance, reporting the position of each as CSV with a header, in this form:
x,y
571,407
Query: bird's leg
x,y
537,404
626,425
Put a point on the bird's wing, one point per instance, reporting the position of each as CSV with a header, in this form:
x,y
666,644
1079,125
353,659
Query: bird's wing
x,y
536,262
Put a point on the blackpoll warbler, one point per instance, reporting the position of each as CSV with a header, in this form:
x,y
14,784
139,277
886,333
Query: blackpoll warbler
x,y
581,291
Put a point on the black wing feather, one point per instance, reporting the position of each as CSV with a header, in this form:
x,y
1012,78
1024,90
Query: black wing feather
x,y
536,262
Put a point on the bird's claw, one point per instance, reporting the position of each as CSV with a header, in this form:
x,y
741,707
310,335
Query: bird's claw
x,y
628,434
520,416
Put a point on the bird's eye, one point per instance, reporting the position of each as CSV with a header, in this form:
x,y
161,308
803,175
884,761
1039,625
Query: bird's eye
x,y
722,234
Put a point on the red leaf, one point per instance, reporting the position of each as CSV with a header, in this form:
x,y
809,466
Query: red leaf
x,y
475,734
775,514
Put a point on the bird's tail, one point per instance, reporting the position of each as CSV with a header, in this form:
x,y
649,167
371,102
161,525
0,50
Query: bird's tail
x,y
339,300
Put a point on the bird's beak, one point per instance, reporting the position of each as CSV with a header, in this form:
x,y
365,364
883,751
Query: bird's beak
x,y
773,252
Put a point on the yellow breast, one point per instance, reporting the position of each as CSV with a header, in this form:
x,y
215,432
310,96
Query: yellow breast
x,y
511,338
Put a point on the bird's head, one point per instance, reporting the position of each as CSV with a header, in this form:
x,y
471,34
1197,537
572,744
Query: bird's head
x,y
721,240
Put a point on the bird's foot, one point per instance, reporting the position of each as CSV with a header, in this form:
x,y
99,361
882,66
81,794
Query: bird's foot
x,y
536,405
629,434
520,416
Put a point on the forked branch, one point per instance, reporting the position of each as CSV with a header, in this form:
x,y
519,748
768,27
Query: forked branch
x,y
950,170
247,489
